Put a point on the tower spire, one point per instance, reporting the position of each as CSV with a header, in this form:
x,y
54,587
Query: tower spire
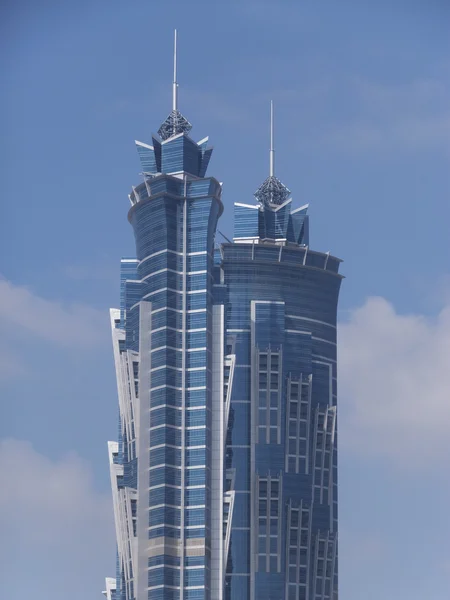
x,y
272,151
175,84
272,191
175,123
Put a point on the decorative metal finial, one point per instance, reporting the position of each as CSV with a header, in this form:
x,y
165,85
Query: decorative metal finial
x,y
175,122
272,191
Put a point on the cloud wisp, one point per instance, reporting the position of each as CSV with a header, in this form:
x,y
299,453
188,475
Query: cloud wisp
x,y
52,518
68,325
394,387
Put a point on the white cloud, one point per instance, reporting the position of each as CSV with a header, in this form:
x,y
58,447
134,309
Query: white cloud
x,y
57,531
394,384
64,324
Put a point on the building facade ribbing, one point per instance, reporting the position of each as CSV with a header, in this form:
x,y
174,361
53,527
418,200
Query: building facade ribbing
x,y
224,474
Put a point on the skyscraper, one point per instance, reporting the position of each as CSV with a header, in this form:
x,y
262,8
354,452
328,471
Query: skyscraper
x,y
224,476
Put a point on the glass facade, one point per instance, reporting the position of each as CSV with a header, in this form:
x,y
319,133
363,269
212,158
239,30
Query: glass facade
x,y
281,455
224,474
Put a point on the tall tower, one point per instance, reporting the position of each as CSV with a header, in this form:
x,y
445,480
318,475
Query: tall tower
x,y
224,474
281,454
167,498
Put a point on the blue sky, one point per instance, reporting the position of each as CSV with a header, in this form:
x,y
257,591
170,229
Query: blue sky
x,y
361,92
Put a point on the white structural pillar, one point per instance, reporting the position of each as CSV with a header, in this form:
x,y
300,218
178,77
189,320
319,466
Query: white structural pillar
x,y
217,458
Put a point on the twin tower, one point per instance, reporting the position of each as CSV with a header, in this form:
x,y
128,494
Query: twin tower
x,y
224,476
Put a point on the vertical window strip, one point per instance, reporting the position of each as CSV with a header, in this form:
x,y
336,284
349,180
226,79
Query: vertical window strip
x,y
268,519
298,543
298,553
280,521
273,487
324,426
308,422
269,382
297,424
268,397
262,388
324,566
298,417
280,389
317,448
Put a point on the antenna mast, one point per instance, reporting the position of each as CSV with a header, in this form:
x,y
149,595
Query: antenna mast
x,y
175,84
272,151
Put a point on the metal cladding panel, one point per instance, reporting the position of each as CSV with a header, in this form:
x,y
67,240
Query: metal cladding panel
x,y
169,185
128,270
269,324
312,293
295,228
295,256
304,237
276,221
333,264
180,154
155,226
132,329
282,219
269,224
157,151
191,158
204,161
172,155
140,192
147,158
133,292
198,188
246,221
